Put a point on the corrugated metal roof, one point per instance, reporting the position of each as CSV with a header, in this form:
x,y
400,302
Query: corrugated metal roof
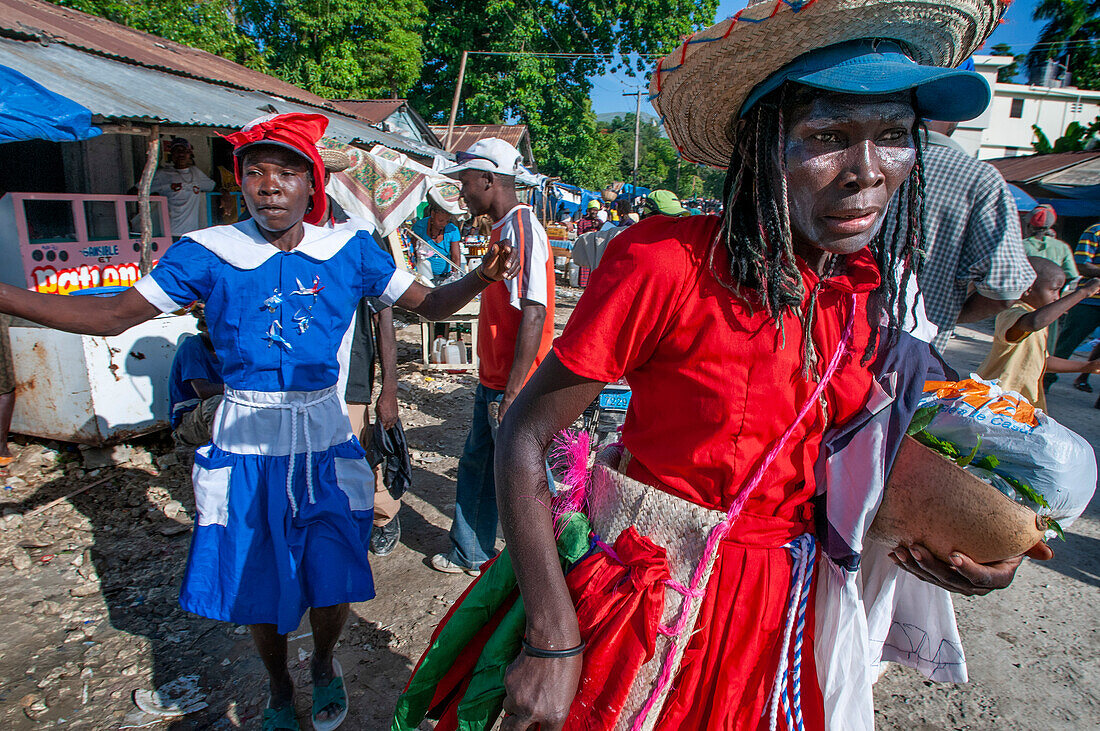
x,y
1030,168
52,23
467,134
115,90
373,110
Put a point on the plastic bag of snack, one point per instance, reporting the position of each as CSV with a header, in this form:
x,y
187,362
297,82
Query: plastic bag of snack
x,y
1004,440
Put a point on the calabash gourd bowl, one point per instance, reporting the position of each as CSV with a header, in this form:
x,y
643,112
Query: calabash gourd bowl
x,y
932,501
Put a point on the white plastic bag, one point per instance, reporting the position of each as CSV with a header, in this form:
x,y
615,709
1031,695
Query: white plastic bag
x,y
1029,445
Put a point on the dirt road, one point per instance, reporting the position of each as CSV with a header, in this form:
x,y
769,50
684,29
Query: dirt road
x,y
88,594
1033,649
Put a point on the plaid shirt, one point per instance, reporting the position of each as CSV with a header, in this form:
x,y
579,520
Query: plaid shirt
x,y
971,235
1088,252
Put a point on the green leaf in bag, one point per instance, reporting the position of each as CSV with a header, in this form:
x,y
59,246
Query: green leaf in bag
x,y
964,461
922,419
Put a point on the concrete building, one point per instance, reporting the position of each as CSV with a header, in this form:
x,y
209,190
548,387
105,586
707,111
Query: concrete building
x,y
1005,129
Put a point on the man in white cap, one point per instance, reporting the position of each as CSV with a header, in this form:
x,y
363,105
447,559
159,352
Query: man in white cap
x,y
516,328
183,184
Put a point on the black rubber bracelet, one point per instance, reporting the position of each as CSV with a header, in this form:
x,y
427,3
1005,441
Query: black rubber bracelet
x,y
531,651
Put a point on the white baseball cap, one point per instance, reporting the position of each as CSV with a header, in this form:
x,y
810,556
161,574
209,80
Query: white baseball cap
x,y
490,154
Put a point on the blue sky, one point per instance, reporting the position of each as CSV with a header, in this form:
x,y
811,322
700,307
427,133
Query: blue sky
x,y
1018,30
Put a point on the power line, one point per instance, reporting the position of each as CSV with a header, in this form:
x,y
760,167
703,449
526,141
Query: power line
x,y
1044,44
558,54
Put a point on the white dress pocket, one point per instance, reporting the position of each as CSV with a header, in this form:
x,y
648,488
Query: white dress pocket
x,y
211,492
356,479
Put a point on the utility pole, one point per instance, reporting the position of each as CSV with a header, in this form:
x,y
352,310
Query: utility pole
x,y
454,101
637,140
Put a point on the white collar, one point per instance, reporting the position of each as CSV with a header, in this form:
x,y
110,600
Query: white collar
x,y
241,245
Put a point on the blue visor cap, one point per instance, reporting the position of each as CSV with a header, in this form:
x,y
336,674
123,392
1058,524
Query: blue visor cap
x,y
882,67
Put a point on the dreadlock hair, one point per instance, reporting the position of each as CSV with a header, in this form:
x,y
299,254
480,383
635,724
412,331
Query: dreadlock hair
x,y
756,227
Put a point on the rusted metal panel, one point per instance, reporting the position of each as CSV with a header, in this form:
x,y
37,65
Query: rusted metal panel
x,y
465,135
1031,168
145,78
373,110
94,390
53,23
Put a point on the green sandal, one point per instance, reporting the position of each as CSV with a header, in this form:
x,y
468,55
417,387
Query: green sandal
x,y
332,694
278,719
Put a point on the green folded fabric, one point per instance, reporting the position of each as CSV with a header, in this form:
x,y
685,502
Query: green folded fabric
x,y
484,696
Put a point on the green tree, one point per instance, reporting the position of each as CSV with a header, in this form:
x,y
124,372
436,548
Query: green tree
x,y
1077,137
656,157
548,93
1070,37
340,48
1007,74
334,48
211,25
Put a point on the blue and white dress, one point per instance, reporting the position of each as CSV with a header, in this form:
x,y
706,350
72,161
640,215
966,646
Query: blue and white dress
x,y
283,496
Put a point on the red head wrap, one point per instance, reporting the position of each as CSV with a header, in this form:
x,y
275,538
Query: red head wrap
x,y
294,131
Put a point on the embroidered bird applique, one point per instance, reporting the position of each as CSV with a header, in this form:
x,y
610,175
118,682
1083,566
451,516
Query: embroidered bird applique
x,y
275,335
302,321
271,303
311,291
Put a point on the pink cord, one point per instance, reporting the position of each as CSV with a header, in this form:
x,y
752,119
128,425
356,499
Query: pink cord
x,y
721,530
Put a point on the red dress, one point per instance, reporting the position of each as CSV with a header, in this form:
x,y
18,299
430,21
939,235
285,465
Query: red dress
x,y
715,384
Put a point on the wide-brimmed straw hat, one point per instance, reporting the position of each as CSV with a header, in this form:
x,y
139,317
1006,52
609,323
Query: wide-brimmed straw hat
x,y
701,87
336,161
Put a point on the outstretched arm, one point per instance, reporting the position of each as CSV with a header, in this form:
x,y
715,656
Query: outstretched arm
x,y
539,690
440,303
83,315
1064,365
1047,314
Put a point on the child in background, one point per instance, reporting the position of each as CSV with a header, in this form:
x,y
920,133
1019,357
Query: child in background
x,y
195,385
1019,354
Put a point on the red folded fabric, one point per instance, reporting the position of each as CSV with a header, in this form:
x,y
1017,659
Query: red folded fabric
x,y
619,607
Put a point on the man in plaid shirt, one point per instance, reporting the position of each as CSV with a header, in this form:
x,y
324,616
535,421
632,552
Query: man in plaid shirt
x,y
971,236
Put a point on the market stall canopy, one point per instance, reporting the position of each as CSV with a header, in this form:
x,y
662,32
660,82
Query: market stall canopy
x,y
384,187
30,111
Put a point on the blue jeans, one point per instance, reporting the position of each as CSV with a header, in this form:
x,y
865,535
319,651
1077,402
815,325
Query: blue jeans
x,y
474,530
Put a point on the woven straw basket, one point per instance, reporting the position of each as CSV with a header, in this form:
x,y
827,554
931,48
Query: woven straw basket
x,y
699,88
615,503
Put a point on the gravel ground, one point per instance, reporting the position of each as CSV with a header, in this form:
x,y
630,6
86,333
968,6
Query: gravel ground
x,y
88,588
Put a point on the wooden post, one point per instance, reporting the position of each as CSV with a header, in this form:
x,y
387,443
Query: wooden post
x,y
454,102
152,157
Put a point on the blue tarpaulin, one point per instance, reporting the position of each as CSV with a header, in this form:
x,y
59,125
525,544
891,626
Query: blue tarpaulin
x,y
1024,202
1070,208
30,111
569,199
